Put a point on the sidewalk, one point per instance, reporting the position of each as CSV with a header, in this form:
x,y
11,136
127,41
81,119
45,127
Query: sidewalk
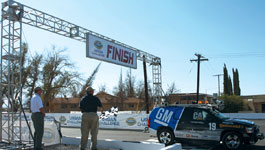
x,y
70,147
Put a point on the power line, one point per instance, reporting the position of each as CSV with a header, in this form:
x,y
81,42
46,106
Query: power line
x,y
27,44
239,55
191,68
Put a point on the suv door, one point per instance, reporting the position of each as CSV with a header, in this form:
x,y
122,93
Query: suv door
x,y
183,129
199,124
204,125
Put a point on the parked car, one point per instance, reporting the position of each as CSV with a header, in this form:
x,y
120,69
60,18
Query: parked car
x,y
201,123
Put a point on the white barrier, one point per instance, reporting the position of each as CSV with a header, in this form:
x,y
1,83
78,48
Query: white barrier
x,y
252,116
128,120
50,136
124,120
173,147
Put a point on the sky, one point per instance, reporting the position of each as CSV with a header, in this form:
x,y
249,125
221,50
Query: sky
x,y
227,32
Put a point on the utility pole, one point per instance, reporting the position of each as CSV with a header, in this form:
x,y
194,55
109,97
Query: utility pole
x,y
145,86
218,75
198,73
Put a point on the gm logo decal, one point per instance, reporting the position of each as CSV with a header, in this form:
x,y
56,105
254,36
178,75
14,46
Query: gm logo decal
x,y
131,121
163,116
98,44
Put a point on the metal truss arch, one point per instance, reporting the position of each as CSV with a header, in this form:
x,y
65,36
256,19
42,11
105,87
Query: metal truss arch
x,y
12,17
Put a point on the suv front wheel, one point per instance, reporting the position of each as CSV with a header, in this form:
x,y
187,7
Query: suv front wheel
x,y
166,136
232,141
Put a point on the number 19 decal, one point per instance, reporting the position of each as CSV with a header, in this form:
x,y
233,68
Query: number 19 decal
x,y
212,126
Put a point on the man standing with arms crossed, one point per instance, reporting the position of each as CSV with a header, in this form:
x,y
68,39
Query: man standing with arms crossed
x,y
37,117
88,106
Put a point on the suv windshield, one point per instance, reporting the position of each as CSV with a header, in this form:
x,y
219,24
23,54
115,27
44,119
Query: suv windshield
x,y
219,114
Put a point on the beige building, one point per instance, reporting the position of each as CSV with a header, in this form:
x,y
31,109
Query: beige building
x,y
255,102
188,98
66,105
63,105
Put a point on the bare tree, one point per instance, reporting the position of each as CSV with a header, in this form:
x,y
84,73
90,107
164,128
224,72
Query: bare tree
x,y
119,91
140,90
89,81
130,85
102,87
71,81
56,74
172,89
34,73
24,69
14,77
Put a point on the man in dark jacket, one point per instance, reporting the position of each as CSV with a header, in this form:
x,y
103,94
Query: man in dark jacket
x,y
88,106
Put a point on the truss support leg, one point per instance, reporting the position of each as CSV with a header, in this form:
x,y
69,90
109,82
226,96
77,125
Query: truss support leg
x,y
10,69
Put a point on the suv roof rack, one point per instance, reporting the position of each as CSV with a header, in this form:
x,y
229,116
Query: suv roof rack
x,y
191,105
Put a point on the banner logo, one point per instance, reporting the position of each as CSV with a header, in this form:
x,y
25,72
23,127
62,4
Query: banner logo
x,y
98,44
131,121
48,136
62,119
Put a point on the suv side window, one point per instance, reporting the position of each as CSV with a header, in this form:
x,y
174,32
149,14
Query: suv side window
x,y
187,115
200,115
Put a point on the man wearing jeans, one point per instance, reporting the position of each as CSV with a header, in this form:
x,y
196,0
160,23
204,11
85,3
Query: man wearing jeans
x,y
37,117
88,106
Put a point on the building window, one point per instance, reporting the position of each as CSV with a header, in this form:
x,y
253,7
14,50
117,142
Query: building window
x,y
131,105
63,105
263,108
201,97
74,106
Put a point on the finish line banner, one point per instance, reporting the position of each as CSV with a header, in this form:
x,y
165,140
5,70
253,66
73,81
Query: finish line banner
x,y
102,49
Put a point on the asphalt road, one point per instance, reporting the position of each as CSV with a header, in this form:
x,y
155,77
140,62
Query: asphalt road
x,y
125,135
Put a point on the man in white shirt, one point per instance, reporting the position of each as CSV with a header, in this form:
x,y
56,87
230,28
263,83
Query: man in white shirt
x,y
37,117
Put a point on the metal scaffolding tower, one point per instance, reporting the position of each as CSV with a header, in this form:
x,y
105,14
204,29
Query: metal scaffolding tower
x,y
13,15
11,29
157,80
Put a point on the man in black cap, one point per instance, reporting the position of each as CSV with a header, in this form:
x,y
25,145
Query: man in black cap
x,y
37,117
88,106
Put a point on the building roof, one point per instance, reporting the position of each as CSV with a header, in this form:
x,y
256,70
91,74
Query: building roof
x,y
190,94
102,93
133,100
66,100
253,96
103,96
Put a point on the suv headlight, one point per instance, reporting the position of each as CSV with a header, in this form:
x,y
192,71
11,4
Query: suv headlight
x,y
249,129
